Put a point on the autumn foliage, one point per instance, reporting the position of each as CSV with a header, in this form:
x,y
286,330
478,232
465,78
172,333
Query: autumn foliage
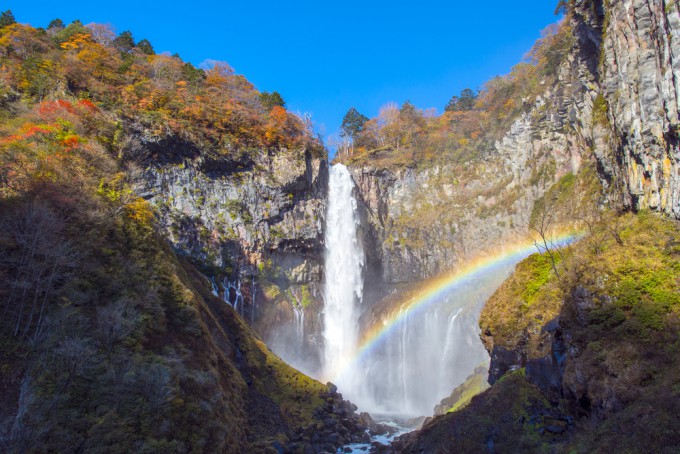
x,y
214,106
403,135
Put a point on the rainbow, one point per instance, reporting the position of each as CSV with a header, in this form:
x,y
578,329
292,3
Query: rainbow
x,y
435,289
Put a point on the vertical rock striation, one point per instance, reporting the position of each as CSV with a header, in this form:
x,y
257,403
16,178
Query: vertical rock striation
x,y
639,79
615,104
254,222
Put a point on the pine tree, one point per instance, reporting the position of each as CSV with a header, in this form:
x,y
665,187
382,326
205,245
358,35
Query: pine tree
x,y
146,47
124,42
352,123
466,101
6,19
269,100
56,24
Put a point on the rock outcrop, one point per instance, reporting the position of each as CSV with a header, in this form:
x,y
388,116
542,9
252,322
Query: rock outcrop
x,y
615,106
640,80
254,224
591,349
424,222
625,55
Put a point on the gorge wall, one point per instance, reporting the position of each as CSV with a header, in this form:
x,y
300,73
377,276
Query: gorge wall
x,y
429,219
614,107
629,50
574,364
639,79
255,225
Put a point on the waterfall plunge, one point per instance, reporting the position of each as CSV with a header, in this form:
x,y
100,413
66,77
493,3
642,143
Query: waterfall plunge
x,y
344,282
424,356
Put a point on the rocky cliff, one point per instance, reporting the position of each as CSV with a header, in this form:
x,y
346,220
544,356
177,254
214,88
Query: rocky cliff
x,y
613,106
429,219
148,210
638,78
253,223
581,349
624,55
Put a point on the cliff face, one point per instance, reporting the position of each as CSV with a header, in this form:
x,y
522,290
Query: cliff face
x,y
254,223
425,221
614,106
624,56
111,341
598,340
639,79
264,211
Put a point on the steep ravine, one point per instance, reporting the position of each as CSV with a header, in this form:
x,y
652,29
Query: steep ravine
x,y
254,223
152,257
259,221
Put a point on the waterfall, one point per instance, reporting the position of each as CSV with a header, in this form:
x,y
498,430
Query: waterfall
x,y
344,282
238,296
299,314
450,332
427,352
426,355
215,288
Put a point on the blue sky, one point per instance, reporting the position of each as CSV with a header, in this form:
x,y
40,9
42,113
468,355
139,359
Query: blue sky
x,y
324,57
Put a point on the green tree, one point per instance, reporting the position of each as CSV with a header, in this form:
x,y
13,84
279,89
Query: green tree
x,y
146,47
466,101
269,100
7,18
124,42
74,28
452,105
57,24
353,123
408,111
192,74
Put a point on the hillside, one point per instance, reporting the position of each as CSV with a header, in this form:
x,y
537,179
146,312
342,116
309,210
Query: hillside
x,y
583,340
110,339
580,362
237,183
162,232
467,180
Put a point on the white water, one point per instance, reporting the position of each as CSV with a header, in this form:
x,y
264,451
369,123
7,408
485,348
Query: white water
x,y
299,313
215,288
234,287
343,288
426,355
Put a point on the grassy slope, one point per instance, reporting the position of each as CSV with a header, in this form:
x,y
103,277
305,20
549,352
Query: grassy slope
x,y
620,382
463,393
621,387
508,417
132,353
186,374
